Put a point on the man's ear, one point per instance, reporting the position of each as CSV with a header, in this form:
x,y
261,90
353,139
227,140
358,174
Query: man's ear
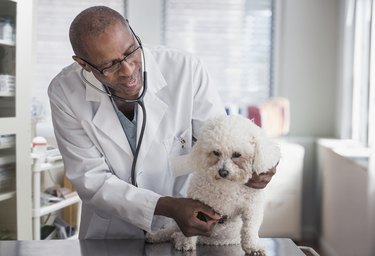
x,y
82,63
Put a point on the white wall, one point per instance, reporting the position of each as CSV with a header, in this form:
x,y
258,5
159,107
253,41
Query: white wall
x,y
308,42
146,22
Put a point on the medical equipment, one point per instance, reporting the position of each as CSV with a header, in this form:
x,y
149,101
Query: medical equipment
x,y
138,100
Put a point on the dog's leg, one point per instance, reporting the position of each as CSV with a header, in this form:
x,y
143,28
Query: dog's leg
x,y
183,243
250,241
163,235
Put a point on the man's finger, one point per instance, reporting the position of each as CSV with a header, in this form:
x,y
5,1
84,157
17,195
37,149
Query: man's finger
x,y
209,213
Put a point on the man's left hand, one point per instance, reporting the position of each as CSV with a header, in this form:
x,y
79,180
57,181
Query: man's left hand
x,y
260,181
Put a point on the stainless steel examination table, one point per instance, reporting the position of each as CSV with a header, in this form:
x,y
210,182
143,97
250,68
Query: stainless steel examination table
x,y
274,247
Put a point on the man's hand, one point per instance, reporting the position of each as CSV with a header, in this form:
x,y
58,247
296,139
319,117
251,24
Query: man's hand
x,y
260,181
192,217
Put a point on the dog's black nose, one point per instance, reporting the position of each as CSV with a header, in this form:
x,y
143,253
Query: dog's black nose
x,y
223,173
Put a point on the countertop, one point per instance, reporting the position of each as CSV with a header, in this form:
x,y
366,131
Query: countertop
x,y
274,247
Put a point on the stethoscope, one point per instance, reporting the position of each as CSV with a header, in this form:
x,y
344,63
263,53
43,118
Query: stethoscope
x,y
138,100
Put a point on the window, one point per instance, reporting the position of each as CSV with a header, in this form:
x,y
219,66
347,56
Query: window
x,y
361,53
358,72
234,39
52,43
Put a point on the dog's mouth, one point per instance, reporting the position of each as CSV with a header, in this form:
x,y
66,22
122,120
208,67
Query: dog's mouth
x,y
218,177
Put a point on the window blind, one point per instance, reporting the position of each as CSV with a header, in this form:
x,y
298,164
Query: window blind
x,y
233,38
53,50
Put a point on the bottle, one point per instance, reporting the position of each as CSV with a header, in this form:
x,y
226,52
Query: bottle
x,y
8,30
39,148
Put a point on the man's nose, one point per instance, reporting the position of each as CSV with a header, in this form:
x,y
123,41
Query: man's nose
x,y
126,69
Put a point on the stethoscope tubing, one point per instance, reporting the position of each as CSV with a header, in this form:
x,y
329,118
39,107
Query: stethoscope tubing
x,y
138,100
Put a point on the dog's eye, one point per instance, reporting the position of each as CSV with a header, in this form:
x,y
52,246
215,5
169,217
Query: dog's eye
x,y
216,153
236,155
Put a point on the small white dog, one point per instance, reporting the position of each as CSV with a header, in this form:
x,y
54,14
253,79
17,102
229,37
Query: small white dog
x,y
227,153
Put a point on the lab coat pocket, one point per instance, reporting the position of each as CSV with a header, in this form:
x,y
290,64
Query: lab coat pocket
x,y
179,144
98,227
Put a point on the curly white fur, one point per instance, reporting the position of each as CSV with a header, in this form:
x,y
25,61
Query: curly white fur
x,y
228,151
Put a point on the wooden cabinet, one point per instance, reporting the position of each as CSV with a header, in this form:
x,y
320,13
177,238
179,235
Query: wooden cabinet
x,y
16,63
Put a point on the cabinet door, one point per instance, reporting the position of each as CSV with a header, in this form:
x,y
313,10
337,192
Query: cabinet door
x,y
7,58
16,63
8,202
8,221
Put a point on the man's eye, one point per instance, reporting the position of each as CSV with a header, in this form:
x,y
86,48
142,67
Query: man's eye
x,y
108,65
236,155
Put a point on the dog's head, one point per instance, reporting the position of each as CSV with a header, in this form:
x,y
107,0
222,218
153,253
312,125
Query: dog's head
x,y
233,148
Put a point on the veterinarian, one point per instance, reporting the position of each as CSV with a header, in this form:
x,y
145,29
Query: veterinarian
x,y
117,160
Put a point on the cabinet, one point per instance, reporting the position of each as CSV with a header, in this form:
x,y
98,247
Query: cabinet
x,y
347,195
16,62
282,214
39,210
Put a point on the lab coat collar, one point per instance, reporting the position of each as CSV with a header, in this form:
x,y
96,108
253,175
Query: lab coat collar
x,y
155,108
91,93
154,75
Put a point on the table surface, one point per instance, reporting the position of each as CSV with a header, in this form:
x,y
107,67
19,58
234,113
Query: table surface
x,y
274,247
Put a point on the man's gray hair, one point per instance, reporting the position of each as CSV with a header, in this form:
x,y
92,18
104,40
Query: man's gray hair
x,y
91,22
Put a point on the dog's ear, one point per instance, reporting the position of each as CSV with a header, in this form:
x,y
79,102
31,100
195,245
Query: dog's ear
x,y
266,154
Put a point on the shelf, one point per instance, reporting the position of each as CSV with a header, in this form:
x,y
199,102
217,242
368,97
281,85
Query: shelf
x,y
56,206
7,195
73,237
10,145
7,94
7,159
7,42
17,67
48,166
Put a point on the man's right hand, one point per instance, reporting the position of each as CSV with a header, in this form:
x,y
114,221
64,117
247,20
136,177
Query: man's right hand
x,y
192,217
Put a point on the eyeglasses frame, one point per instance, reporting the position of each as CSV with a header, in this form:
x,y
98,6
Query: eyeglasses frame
x,y
102,71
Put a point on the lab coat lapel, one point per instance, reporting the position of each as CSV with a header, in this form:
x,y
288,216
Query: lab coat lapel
x,y
105,118
156,108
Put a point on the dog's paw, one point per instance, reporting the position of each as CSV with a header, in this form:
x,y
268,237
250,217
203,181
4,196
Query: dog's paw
x,y
150,238
255,252
183,243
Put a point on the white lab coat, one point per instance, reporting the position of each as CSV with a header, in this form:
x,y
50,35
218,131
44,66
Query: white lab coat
x,y
180,97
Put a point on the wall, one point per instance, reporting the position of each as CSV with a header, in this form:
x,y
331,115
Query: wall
x,y
148,29
307,35
306,73
308,40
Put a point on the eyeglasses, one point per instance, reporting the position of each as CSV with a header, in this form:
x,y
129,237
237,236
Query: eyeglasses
x,y
116,64
129,58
